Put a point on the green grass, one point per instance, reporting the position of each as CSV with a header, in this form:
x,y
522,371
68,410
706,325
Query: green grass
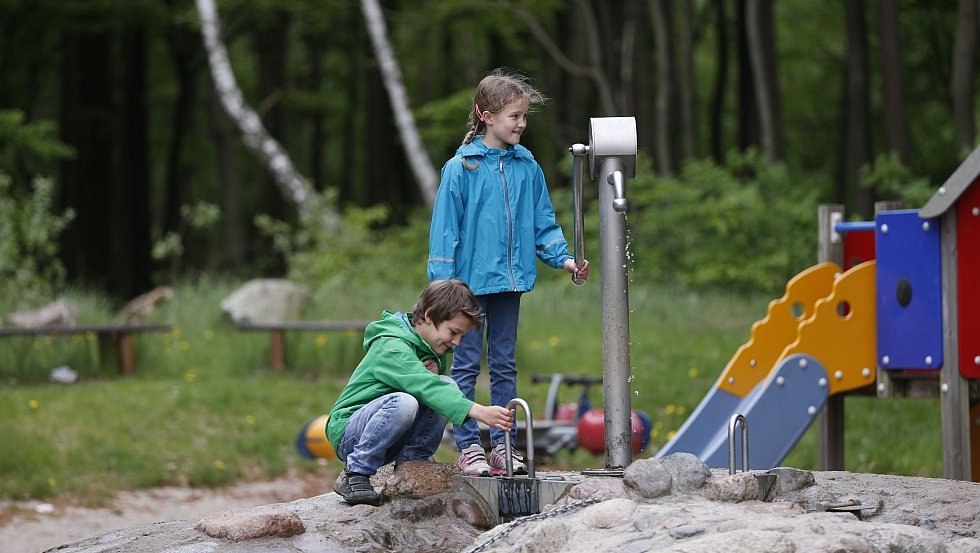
x,y
204,410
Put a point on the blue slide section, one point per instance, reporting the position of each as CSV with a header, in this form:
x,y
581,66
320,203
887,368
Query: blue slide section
x,y
778,412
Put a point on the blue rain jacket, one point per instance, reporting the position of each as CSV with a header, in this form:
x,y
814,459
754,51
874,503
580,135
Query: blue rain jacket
x,y
491,222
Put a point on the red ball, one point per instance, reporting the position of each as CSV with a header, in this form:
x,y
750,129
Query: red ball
x,y
592,431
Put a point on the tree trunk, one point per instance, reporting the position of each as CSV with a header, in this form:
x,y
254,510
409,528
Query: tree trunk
x,y
425,173
687,88
892,81
234,232
748,119
857,116
964,74
86,123
270,55
664,39
132,264
184,52
762,53
717,109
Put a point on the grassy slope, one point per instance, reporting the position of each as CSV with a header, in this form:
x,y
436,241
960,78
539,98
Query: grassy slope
x,y
204,410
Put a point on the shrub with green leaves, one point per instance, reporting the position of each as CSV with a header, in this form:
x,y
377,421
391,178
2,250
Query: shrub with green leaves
x,y
744,225
30,269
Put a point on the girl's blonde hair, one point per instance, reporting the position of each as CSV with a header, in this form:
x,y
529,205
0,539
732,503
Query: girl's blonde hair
x,y
499,88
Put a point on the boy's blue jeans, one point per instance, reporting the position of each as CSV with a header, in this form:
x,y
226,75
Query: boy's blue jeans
x,y
501,313
393,427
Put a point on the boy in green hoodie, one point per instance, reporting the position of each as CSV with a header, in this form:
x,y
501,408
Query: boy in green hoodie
x,y
399,398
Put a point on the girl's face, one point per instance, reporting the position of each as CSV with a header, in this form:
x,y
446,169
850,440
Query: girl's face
x,y
505,126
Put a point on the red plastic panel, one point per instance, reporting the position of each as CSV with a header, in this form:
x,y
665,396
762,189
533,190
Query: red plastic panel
x,y
859,246
968,277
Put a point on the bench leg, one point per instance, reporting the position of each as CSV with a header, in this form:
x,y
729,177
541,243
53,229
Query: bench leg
x,y
117,347
127,357
277,350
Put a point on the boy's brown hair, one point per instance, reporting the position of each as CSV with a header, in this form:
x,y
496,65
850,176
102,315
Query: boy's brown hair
x,y
444,300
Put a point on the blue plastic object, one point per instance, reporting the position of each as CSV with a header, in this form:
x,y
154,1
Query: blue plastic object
x,y
908,291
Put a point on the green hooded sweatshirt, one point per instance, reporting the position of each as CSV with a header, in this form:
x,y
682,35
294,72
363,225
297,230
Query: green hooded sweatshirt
x,y
394,362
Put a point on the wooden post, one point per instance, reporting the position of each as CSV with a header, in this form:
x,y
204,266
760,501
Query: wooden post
x,y
954,390
277,349
831,248
127,357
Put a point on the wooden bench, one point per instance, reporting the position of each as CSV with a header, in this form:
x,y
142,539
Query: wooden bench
x,y
277,334
115,338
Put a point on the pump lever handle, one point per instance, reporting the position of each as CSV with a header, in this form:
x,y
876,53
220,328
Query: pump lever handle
x,y
579,151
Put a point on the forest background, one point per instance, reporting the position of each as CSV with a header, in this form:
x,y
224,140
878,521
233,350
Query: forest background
x,y
120,169
791,103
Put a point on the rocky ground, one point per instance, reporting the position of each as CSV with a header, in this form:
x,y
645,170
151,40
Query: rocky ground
x,y
672,504
30,527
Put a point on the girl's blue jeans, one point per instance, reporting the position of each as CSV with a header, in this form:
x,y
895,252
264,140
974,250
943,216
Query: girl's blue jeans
x,y
500,326
393,427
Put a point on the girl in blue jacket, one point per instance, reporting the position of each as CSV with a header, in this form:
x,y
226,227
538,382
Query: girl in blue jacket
x,y
491,221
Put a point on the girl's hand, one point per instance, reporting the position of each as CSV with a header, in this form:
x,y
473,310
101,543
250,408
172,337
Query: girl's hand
x,y
580,273
432,365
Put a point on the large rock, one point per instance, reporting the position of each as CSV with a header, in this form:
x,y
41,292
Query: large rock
x,y
62,312
266,300
895,515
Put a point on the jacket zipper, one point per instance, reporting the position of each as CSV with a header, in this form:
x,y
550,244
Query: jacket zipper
x,y
510,226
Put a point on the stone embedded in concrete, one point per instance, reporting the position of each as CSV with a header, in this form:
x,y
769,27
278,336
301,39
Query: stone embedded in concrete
x,y
418,479
648,478
598,488
416,510
741,486
609,514
250,524
687,471
789,479
473,513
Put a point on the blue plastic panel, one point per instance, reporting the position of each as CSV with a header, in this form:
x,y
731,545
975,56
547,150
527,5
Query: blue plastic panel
x,y
909,291
704,423
778,413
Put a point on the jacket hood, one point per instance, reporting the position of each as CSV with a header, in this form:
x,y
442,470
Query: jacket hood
x,y
398,325
476,148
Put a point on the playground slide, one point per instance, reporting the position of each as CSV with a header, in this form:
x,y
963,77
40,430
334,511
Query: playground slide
x,y
816,340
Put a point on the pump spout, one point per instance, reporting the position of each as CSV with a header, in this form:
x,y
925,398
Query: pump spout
x,y
619,191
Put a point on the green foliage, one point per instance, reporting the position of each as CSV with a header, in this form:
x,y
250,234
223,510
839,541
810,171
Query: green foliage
x,y
889,178
318,255
30,268
199,216
744,225
28,144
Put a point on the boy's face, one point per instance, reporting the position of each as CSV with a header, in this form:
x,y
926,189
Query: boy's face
x,y
444,335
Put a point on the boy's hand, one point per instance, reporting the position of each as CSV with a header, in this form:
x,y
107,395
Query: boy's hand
x,y
580,273
432,365
492,415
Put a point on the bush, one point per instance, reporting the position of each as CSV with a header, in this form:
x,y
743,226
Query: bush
x,y
744,225
30,269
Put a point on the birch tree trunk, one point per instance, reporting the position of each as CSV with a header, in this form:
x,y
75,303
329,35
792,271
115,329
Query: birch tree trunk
x,y
292,185
418,158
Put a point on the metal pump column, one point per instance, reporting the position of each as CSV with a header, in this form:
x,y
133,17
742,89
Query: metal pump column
x,y
612,160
